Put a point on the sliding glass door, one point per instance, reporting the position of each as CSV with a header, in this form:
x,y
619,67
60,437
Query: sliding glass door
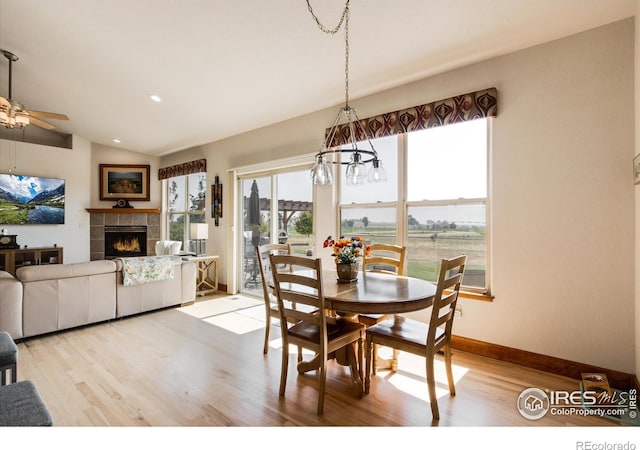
x,y
287,220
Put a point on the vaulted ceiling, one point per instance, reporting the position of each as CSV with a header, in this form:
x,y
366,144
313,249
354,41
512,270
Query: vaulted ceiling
x,y
223,67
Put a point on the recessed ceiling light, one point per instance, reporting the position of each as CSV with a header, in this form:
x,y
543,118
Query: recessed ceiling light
x,y
155,98
116,140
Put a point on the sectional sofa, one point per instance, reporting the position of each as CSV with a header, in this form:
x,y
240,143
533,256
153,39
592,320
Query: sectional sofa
x,y
47,298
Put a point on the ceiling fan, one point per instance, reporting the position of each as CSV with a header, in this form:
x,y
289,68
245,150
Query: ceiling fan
x,y
13,114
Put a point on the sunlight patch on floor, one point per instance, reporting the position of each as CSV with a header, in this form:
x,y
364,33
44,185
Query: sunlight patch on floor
x,y
235,322
411,377
276,344
235,313
221,305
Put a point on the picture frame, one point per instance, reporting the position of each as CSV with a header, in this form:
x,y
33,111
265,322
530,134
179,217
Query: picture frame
x,y
125,182
636,169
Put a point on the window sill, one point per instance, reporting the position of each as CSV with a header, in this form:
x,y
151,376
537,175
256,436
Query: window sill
x,y
484,297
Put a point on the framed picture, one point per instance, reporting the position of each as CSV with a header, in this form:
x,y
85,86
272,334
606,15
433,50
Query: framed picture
x,y
636,169
216,201
124,181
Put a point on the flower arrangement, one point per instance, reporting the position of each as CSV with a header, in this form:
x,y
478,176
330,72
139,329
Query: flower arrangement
x,y
347,250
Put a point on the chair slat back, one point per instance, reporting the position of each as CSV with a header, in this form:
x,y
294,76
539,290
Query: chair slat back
x,y
445,300
384,258
298,287
263,252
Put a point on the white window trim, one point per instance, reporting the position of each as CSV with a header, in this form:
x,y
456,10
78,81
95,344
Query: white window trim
x,y
402,205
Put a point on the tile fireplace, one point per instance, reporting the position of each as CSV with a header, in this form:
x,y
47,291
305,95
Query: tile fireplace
x,y
102,219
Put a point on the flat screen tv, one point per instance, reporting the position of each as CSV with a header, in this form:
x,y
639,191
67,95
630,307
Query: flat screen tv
x,y
26,200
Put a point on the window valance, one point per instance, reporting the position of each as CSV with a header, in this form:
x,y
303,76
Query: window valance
x,y
199,165
474,105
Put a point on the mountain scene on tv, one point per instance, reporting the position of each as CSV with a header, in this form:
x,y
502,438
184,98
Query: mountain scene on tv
x,y
31,200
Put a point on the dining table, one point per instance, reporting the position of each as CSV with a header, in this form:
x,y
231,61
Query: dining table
x,y
371,293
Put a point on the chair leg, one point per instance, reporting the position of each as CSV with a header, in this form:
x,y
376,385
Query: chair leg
x,y
323,382
361,362
374,349
355,365
285,366
447,363
3,378
267,330
369,355
14,373
431,385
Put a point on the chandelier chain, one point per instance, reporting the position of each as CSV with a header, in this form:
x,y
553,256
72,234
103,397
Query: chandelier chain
x,y
322,27
344,18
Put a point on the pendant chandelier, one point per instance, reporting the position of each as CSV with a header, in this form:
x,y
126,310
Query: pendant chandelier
x,y
356,171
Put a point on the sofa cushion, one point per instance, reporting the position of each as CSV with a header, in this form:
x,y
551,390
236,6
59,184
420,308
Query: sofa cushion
x,y
60,296
57,271
6,275
168,247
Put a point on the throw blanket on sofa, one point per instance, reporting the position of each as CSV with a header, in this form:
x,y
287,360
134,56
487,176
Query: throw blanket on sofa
x,y
146,269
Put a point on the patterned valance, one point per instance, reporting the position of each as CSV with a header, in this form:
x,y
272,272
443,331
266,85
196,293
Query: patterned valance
x,y
475,105
199,165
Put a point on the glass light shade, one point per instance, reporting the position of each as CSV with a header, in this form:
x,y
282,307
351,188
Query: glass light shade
x,y
356,171
321,173
377,173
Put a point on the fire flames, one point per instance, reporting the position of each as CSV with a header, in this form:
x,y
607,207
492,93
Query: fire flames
x,y
127,245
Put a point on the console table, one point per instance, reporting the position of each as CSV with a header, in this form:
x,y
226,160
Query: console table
x,y
205,284
12,259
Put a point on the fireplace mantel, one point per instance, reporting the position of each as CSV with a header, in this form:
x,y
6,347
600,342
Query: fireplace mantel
x,y
122,211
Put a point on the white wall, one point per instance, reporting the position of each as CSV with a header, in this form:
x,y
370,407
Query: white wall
x,y
563,197
73,165
563,202
102,154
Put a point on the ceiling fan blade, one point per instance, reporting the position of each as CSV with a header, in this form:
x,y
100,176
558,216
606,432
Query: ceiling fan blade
x,y
47,115
40,123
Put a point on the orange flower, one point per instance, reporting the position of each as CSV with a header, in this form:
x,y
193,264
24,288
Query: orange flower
x,y
347,250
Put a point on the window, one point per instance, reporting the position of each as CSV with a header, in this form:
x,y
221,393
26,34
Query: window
x,y
185,205
443,171
369,210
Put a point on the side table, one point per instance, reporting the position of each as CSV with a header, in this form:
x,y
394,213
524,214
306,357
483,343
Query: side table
x,y
206,265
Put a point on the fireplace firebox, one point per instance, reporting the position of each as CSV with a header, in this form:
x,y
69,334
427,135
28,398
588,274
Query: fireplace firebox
x,y
125,241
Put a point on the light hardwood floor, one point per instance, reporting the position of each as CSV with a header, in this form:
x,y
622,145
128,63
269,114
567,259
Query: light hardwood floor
x,y
202,365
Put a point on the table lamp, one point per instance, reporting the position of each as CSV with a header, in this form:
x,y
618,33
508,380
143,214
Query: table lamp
x,y
199,232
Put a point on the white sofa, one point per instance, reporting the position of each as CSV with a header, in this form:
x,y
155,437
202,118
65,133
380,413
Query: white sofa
x,y
42,299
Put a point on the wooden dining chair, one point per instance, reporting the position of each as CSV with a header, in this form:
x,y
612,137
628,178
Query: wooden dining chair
x,y
423,339
270,301
384,258
315,330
